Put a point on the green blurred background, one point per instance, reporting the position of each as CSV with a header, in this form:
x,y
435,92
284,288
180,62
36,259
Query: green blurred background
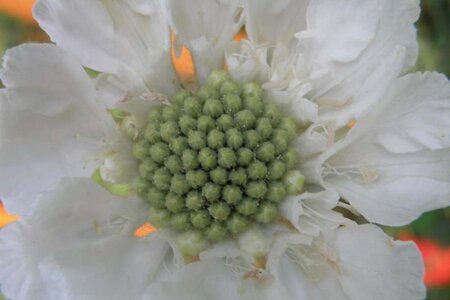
x,y
434,40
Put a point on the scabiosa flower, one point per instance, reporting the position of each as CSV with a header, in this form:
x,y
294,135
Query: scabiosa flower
x,y
241,171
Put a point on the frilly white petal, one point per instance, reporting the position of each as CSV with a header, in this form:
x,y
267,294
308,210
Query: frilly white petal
x,y
312,214
247,62
79,243
393,183
269,22
373,266
418,117
44,79
130,39
50,123
206,27
351,49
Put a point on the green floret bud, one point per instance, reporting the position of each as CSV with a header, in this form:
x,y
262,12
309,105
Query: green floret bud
x,y
205,124
248,206
156,198
174,164
174,203
192,107
273,113
194,200
196,178
252,139
289,125
245,119
219,211
159,152
181,221
216,139
178,98
141,186
211,192
216,232
178,145
276,192
290,158
257,170
266,152
226,158
280,140
196,139
207,159
159,217
277,169
267,212
162,178
294,181
255,105
169,130
215,163
245,157
237,223
230,87
170,113
256,189
140,149
155,114
179,184
217,78
189,159
252,89
200,219
225,122
147,168
264,128
232,194
233,103
191,243
187,123
213,108
151,133
238,177
234,138
207,92
219,175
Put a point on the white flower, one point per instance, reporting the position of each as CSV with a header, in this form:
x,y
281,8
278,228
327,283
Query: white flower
x,y
326,63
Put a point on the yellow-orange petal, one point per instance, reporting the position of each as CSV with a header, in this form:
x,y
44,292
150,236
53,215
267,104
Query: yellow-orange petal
x,y
145,230
6,218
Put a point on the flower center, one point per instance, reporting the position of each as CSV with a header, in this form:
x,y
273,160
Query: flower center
x,y
217,161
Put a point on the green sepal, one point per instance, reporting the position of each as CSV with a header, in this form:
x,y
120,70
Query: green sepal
x,y
118,189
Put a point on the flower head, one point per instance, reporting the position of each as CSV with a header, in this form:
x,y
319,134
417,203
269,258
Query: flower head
x,y
242,171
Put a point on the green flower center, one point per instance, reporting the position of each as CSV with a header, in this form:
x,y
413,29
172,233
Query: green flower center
x,y
217,161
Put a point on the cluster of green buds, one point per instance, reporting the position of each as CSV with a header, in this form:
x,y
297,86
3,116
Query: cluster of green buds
x,y
217,161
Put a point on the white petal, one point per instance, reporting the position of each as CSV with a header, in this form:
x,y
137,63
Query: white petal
x,y
79,243
274,21
418,116
373,266
128,39
212,279
394,183
311,213
206,27
247,62
351,50
50,123
44,79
